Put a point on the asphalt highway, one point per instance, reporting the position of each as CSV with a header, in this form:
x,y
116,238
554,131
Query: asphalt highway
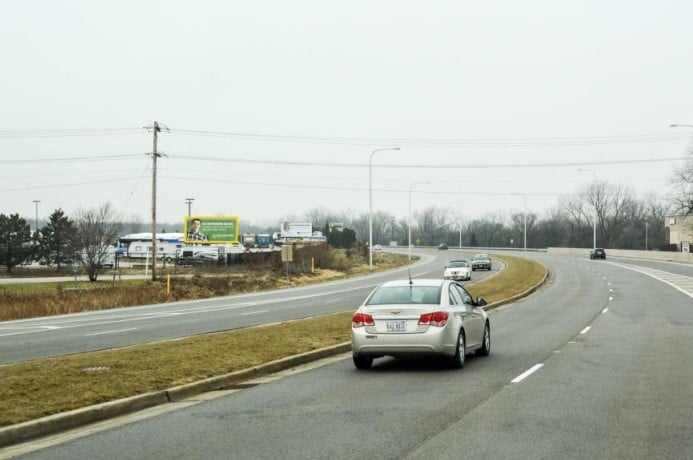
x,y
67,334
594,365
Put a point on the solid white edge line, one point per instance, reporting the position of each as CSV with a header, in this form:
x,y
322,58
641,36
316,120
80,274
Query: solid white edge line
x,y
651,275
584,331
526,373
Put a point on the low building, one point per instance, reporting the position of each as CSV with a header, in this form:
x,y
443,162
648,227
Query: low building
x,y
678,230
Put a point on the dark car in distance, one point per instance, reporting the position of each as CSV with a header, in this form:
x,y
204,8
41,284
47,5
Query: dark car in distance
x,y
481,261
442,246
598,253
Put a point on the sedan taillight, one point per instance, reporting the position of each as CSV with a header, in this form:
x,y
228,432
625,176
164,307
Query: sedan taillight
x,y
437,318
362,319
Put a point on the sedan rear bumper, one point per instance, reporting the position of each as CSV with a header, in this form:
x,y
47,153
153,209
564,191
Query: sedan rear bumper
x,y
435,341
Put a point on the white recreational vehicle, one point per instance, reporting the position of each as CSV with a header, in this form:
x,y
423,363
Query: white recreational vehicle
x,y
143,249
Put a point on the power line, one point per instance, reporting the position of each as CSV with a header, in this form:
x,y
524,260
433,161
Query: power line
x,y
71,184
427,166
71,159
38,133
478,142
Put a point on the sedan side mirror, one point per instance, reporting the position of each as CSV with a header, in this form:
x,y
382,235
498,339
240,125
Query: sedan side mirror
x,y
480,302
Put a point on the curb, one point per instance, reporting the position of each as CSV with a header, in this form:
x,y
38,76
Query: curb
x,y
64,421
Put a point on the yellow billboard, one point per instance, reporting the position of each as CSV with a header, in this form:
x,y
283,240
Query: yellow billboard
x,y
210,229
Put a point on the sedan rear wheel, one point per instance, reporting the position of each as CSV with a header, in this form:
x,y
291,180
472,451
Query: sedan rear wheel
x,y
486,343
362,362
457,361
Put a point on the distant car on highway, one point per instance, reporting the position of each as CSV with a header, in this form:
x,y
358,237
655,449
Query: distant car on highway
x,y
598,253
415,317
377,247
458,270
442,246
480,261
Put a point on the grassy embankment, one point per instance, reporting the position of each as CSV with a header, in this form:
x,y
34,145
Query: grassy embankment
x,y
33,389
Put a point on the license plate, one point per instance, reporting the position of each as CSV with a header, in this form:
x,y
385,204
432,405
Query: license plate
x,y
396,326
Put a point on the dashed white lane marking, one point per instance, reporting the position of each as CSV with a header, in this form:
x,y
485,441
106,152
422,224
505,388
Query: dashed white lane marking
x,y
584,331
257,312
611,299
605,310
111,332
526,373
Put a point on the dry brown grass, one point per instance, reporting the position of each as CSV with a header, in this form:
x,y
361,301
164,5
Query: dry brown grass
x,y
44,299
47,386
520,275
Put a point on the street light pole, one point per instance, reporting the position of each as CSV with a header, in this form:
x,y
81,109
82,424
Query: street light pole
x,y
370,205
594,222
189,202
36,202
410,189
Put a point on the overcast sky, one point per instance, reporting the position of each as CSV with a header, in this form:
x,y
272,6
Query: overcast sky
x,y
274,107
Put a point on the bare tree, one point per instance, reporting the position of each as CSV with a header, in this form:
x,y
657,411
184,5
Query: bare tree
x,y
578,217
655,211
518,227
434,224
616,205
682,180
384,227
96,230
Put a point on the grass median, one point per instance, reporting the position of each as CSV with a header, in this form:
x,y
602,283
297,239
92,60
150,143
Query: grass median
x,y
37,388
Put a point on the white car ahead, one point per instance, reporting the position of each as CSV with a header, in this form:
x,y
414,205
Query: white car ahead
x,y
458,270
420,317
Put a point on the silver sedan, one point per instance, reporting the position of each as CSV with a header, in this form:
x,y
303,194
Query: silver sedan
x,y
420,317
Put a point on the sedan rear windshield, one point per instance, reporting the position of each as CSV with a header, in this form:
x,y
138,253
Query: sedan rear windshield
x,y
405,295
457,264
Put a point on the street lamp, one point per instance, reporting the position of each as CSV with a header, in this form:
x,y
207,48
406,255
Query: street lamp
x,y
36,202
524,197
594,222
370,205
189,201
410,189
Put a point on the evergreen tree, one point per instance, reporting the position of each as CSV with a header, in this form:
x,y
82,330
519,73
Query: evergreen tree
x,y
344,238
55,240
15,241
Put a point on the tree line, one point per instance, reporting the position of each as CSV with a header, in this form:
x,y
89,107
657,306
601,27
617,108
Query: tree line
x,y
620,218
624,220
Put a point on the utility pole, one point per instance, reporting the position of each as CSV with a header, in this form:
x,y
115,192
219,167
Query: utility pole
x,y
155,129
189,202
